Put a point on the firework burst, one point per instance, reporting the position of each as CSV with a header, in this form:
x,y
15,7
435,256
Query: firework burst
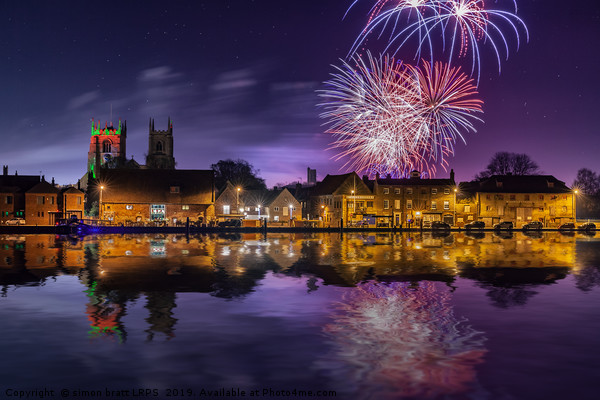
x,y
391,118
459,24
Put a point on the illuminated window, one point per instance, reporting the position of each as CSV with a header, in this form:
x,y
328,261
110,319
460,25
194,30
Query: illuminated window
x,y
129,207
397,204
386,190
226,209
369,204
397,191
434,205
408,204
467,208
446,205
185,207
564,209
446,191
174,189
386,204
434,191
409,191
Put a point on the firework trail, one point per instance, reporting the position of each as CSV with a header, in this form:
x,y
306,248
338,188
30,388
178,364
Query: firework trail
x,y
459,24
391,118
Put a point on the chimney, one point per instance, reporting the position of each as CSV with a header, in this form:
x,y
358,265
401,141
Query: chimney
x,y
5,170
43,178
452,175
53,184
377,176
79,184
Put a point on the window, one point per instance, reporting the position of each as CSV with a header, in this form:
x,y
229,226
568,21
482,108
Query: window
x,y
446,205
8,200
247,208
550,184
446,191
409,204
541,197
498,184
409,191
129,207
185,207
434,205
397,190
397,204
513,197
41,200
386,204
276,208
226,209
564,209
106,146
52,200
423,191
488,208
369,204
554,197
159,147
386,190
526,197
541,209
434,191
78,200
499,197
174,189
488,196
467,208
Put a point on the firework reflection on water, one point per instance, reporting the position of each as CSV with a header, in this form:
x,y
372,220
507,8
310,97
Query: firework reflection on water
x,y
399,340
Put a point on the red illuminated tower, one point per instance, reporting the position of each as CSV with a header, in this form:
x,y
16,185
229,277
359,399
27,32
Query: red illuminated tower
x,y
160,147
107,147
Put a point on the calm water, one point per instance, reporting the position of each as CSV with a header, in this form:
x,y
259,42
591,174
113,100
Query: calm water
x,y
365,316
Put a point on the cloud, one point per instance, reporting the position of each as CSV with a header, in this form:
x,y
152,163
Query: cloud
x,y
157,74
82,100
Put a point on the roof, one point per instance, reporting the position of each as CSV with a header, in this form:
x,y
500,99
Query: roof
x,y
414,182
520,184
154,185
21,182
72,189
333,183
43,187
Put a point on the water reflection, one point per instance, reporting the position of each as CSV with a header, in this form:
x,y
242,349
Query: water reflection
x,y
375,313
404,340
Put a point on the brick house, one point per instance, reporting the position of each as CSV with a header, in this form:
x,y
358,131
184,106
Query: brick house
x,y
41,204
72,202
155,195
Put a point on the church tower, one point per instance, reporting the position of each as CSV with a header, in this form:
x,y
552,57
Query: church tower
x,y
107,147
160,147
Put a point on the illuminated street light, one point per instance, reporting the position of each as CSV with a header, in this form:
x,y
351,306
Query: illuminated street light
x,y
100,202
574,204
259,211
237,198
454,219
291,211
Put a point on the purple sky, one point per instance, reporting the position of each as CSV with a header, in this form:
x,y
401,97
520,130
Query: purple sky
x,y
238,78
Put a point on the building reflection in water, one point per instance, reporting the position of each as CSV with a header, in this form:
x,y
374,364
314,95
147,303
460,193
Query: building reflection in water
x,y
404,340
123,268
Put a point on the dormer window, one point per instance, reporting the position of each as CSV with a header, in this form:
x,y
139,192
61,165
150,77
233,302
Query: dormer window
x,y
550,184
498,184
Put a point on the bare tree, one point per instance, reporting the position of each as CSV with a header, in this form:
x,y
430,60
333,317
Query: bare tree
x,y
587,181
505,163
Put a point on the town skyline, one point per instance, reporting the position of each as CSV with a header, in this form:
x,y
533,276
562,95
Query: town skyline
x,y
239,81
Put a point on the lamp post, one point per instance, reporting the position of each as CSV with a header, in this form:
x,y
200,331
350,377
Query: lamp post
x,y
353,205
237,200
454,219
574,205
100,203
291,211
259,211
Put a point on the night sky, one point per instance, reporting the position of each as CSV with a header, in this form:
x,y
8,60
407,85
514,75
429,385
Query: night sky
x,y
238,78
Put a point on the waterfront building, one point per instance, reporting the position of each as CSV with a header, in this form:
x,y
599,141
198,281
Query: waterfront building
x,y
12,193
41,204
517,198
141,196
413,201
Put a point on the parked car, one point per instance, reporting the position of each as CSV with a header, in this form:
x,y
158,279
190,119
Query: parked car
x,y
15,221
588,226
504,225
475,225
440,225
569,226
230,223
533,225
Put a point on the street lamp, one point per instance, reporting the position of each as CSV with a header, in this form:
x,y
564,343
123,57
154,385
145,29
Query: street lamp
x,y
454,219
291,211
574,209
259,211
237,199
100,203
353,203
